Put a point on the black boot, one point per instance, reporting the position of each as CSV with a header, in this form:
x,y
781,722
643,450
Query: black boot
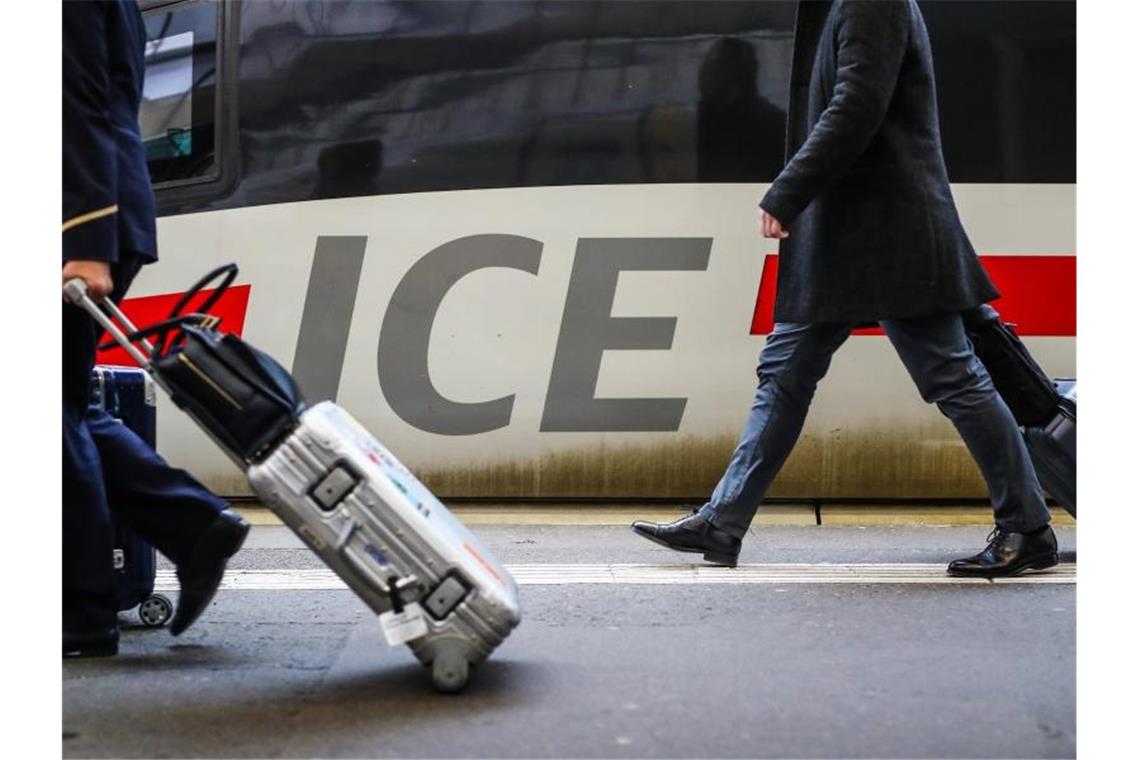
x,y
199,578
1010,554
102,643
693,534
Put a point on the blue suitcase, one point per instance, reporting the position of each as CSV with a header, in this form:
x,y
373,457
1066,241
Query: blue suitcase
x,y
1053,448
127,394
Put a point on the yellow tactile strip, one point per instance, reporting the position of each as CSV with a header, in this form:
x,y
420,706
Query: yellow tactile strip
x,y
891,515
780,574
831,515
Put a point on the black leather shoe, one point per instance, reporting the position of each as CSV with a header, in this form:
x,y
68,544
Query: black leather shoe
x,y
91,643
199,578
1010,554
693,534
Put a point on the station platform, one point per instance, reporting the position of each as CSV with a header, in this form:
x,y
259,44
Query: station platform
x,y
842,639
831,514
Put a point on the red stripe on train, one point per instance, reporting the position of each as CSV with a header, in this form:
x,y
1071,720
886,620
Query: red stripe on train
x,y
147,310
1038,294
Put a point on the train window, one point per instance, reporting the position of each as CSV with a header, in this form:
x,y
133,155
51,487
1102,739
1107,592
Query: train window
x,y
177,113
1007,88
167,114
372,97
184,117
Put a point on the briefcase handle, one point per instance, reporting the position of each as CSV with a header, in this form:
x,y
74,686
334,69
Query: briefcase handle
x,y
161,331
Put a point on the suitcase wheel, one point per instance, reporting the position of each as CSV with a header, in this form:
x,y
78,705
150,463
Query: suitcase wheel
x,y
155,610
449,670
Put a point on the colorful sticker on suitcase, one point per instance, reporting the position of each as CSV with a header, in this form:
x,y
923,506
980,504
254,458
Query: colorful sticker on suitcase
x,y
375,554
364,440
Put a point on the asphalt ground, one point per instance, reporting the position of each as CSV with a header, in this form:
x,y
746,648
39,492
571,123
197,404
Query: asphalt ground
x,y
773,668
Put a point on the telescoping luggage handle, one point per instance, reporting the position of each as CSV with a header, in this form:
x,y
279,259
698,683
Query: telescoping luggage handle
x,y
75,291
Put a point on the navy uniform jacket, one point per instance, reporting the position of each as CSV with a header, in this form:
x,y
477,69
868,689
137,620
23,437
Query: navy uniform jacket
x,y
865,197
108,203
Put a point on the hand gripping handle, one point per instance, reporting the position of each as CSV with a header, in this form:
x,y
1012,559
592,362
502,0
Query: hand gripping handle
x,y
75,291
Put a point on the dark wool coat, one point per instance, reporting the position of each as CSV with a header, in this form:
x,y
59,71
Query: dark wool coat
x,y
873,231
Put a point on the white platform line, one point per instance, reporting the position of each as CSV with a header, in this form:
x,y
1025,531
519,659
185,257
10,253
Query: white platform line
x,y
754,574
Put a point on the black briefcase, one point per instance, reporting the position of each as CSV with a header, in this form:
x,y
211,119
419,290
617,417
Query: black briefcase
x,y
242,396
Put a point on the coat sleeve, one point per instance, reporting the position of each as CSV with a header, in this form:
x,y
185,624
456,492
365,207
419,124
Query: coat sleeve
x,y
872,39
90,191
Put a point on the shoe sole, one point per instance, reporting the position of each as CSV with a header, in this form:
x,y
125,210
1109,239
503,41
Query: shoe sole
x,y
1038,563
716,558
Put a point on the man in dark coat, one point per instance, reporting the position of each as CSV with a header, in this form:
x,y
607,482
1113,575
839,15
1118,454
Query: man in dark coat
x,y
869,233
108,235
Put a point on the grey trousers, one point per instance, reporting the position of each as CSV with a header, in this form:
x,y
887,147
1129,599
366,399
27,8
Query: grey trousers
x,y
940,360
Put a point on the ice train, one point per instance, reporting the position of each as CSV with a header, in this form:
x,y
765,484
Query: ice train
x,y
517,239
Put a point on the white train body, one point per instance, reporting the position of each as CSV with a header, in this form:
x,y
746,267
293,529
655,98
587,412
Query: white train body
x,y
496,331
495,252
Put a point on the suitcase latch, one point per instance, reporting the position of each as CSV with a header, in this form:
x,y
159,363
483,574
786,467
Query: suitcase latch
x,y
333,487
445,597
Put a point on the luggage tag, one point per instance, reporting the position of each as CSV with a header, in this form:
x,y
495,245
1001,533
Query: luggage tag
x,y
400,627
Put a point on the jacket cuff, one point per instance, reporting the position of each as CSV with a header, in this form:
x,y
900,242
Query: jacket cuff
x,y
779,206
94,239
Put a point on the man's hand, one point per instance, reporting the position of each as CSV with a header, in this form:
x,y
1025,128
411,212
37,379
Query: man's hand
x,y
770,226
97,275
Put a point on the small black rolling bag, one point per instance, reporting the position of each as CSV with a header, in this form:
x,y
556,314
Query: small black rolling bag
x,y
1053,448
128,395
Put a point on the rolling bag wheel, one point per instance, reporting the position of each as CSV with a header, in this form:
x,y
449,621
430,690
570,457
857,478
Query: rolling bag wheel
x,y
449,671
155,610
449,658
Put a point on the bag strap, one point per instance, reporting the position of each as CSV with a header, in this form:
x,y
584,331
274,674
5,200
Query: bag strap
x,y
77,293
163,328
227,273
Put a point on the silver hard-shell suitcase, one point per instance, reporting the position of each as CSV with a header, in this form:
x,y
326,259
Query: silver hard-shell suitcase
x,y
391,541
434,585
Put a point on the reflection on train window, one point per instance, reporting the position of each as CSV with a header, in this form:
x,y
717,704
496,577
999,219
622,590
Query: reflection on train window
x,y
456,95
166,117
177,113
369,97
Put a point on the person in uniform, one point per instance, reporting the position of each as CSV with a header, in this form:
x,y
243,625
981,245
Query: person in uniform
x,y
108,235
869,233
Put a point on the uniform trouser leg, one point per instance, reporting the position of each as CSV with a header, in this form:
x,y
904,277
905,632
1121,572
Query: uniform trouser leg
x,y
106,469
795,358
942,363
88,580
166,506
